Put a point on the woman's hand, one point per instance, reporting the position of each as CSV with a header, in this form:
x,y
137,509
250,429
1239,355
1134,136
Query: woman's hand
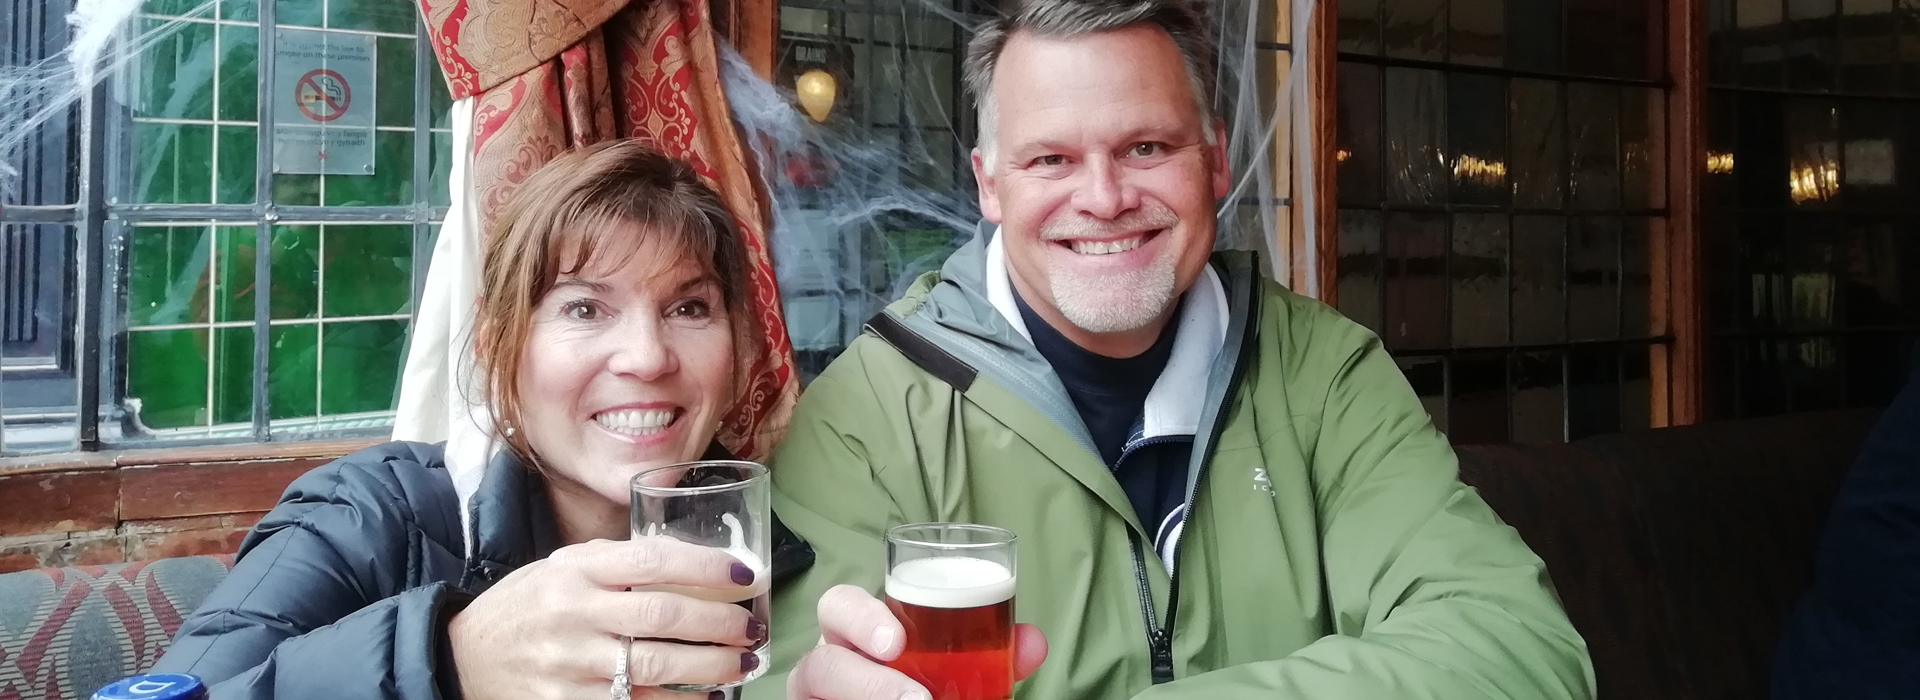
x,y
552,628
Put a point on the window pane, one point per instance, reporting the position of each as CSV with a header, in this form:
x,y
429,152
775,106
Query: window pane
x,y
1359,267
1760,28
1479,32
1593,37
171,163
1416,29
1593,395
1870,273
1811,52
293,372
1359,27
394,92
1643,39
1358,158
175,79
1803,287
1477,138
370,15
1534,45
1539,145
1719,188
1869,153
1593,113
1723,47
1639,238
1539,392
1478,412
34,300
360,365
1539,298
1813,152
1416,280
1416,136
239,94
1636,389
1869,46
366,270
1593,278
167,275
1480,284
167,377
390,183
1817,384
233,374
1643,148
1760,161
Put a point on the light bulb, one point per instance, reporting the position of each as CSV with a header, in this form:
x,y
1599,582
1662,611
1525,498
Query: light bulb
x,y
816,90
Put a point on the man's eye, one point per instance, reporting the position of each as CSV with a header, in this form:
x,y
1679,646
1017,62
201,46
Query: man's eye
x,y
1050,161
1145,149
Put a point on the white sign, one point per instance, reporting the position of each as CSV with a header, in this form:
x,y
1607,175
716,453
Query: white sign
x,y
323,102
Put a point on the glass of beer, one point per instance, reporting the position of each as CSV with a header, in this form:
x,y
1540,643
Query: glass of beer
x,y
951,586
720,504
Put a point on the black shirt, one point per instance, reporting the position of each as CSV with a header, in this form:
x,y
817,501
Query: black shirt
x,y
1111,394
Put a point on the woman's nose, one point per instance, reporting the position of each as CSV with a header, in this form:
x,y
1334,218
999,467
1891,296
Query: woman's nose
x,y
640,350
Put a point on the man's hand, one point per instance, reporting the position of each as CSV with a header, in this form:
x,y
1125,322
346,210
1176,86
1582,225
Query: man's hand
x,y
858,634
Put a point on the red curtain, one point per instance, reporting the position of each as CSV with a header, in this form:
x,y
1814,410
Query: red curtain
x,y
549,75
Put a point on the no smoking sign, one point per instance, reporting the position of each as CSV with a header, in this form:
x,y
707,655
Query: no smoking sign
x,y
323,95
323,103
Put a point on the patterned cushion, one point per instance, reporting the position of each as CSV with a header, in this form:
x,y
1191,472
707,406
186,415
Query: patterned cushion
x,y
64,633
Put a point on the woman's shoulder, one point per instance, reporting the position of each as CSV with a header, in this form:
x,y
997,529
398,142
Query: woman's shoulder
x,y
401,484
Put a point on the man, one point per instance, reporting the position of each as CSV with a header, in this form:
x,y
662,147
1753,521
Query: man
x,y
1856,633
1221,489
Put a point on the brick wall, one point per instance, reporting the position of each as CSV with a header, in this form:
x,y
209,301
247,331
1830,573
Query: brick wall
x,y
132,505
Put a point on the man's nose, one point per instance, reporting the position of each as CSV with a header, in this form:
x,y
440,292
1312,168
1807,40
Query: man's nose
x,y
639,349
1104,192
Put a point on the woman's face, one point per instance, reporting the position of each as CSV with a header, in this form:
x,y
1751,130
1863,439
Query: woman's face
x,y
625,369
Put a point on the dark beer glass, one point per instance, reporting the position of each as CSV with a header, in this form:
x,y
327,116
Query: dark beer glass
x,y
951,585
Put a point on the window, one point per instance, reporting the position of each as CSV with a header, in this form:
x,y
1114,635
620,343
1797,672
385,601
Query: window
x,y
241,293
1501,197
1812,188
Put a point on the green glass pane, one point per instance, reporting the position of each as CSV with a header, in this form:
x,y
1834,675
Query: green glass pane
x,y
391,183
167,374
304,13
179,8
296,189
233,375
368,271
234,173
296,272
372,15
360,365
393,93
293,356
176,73
243,10
171,163
442,101
440,192
167,275
239,74
233,286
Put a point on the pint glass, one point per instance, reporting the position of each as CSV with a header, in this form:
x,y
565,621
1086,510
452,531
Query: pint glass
x,y
720,504
951,586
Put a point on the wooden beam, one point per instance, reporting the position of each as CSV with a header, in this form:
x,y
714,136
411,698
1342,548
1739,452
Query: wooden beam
x,y
1679,304
1323,70
753,28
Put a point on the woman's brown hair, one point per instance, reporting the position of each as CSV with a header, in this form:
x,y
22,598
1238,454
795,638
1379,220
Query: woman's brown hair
x,y
567,217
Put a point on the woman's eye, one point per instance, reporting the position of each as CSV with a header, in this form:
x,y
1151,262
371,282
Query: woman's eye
x,y
691,308
1144,150
581,311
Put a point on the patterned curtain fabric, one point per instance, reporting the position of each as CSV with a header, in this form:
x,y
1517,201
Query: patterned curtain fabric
x,y
549,75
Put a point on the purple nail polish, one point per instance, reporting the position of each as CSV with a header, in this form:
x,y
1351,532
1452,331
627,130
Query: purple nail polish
x,y
756,630
749,661
742,575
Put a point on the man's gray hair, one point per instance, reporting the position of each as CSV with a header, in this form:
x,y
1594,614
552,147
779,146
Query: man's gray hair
x,y
1183,20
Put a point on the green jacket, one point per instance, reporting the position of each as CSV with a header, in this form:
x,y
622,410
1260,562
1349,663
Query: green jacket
x,y
1330,550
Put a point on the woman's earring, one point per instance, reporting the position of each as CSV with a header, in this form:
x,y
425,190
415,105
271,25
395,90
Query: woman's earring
x,y
509,432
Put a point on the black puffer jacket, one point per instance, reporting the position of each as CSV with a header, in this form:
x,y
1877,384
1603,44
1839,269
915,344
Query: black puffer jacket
x,y
344,589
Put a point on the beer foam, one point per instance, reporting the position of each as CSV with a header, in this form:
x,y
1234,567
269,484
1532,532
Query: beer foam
x,y
950,582
736,548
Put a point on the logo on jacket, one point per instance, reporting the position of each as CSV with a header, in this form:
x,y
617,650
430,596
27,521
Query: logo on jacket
x,y
1261,482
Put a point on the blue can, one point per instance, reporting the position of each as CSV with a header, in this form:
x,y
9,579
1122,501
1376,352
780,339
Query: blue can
x,y
154,686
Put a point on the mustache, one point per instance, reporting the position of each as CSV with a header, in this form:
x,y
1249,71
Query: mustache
x,y
1157,217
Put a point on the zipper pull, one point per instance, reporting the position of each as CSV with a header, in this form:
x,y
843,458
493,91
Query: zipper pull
x,y
1160,645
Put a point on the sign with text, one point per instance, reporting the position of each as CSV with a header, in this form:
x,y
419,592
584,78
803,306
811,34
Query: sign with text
x,y
323,102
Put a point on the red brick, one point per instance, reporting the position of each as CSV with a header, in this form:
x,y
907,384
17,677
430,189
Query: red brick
x,y
39,503
187,536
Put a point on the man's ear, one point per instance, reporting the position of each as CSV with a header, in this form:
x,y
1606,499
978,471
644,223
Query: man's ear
x,y
984,181
1222,167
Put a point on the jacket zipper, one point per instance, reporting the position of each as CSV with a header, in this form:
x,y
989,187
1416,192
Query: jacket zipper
x,y
1159,636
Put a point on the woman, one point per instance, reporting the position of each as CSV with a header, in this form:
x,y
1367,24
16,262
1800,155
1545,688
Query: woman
x,y
614,309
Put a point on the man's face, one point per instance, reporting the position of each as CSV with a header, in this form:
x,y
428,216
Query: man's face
x,y
1103,183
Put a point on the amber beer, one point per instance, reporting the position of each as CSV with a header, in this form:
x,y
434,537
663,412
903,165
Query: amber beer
x,y
951,586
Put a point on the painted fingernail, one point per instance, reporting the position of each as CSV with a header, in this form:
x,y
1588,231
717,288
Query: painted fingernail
x,y
883,640
742,574
756,630
749,661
